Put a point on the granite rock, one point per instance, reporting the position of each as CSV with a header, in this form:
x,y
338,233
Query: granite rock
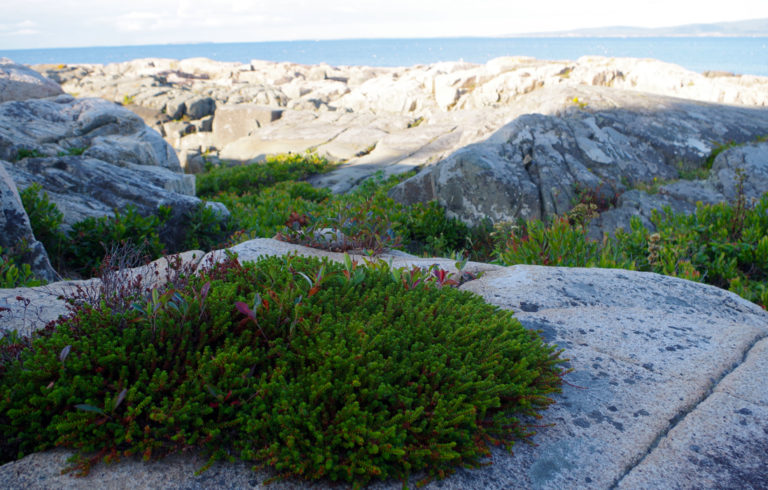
x,y
17,236
19,82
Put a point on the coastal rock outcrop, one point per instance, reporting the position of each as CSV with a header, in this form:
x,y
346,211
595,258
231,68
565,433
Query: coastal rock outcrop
x,y
446,106
740,172
662,391
92,157
19,82
605,141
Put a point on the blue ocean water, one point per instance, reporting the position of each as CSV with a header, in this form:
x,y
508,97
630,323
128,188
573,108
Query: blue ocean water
x,y
741,55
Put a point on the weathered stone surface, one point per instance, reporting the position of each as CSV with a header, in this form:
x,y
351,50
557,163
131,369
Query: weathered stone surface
x,y
608,139
751,161
745,381
106,130
16,232
86,187
471,100
745,166
18,82
233,122
30,309
118,161
645,349
647,354
721,444
199,107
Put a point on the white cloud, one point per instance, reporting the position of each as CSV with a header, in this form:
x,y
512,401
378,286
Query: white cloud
x,y
136,21
100,22
24,32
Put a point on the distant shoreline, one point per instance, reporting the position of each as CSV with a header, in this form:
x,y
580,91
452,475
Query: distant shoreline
x,y
742,28
695,53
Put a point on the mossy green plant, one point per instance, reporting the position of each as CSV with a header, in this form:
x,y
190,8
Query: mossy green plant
x,y
14,273
23,153
73,151
251,178
314,369
45,219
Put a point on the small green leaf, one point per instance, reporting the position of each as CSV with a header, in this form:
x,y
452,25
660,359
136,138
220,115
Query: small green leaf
x,y
89,408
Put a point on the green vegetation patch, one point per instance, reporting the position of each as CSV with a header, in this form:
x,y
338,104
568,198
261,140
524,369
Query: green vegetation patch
x,y
311,368
81,250
366,218
252,178
15,274
723,245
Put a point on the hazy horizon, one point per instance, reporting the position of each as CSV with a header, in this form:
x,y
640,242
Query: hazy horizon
x,y
46,24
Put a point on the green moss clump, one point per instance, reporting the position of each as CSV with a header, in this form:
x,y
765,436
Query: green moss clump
x,y
252,178
314,369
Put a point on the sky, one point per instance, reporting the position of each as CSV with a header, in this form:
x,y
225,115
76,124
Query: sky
x,y
73,23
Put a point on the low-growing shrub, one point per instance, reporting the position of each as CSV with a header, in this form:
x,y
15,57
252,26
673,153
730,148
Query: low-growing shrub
x,y
15,274
45,219
364,218
90,239
251,178
368,219
724,245
206,229
265,213
314,369
73,151
22,153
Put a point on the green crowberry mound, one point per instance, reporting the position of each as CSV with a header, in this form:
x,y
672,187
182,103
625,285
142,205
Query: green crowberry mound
x,y
313,369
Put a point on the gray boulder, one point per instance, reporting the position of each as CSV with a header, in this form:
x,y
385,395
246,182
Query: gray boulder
x,y
18,82
751,161
199,107
17,236
233,122
93,157
599,139
99,128
84,187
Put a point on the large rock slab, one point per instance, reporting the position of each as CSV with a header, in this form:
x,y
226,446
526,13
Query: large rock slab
x,y
93,127
646,352
600,139
654,359
18,82
751,161
726,435
233,122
